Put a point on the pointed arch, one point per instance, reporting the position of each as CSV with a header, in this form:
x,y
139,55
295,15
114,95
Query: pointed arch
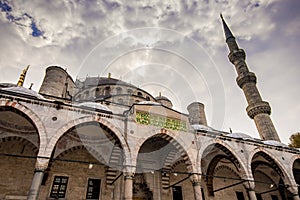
x,y
233,156
274,162
34,119
77,122
228,154
170,137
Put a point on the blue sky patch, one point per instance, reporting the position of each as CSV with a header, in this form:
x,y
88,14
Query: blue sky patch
x,y
35,31
4,6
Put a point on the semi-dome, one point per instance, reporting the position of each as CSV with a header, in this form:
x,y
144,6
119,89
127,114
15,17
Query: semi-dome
x,y
23,90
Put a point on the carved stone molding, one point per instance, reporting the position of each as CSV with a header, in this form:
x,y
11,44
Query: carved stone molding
x,y
262,107
247,78
237,55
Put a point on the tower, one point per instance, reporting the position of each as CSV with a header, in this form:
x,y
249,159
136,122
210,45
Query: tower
x,y
257,109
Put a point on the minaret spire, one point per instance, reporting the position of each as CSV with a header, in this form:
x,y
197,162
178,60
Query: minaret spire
x,y
227,31
22,77
257,109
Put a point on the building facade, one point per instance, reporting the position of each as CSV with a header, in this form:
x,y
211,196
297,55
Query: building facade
x,y
103,138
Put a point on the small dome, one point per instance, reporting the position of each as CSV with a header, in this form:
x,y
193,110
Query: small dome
x,y
162,98
274,143
200,127
22,90
94,105
164,101
149,103
239,135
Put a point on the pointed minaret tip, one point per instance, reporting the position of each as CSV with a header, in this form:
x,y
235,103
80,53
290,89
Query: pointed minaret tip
x,y
221,16
227,31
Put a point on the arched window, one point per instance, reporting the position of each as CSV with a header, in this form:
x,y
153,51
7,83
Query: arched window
x,y
119,90
120,101
107,91
129,91
139,94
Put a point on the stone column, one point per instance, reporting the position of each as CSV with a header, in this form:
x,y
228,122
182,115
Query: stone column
x,y
128,183
249,185
296,197
196,181
40,167
294,191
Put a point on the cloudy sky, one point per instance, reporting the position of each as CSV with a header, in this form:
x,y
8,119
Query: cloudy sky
x,y
173,47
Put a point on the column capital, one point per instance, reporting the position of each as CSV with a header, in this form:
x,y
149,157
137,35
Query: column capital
x,y
249,185
195,179
128,175
41,164
293,190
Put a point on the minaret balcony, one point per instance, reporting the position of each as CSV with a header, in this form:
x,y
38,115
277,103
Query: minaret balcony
x,y
258,108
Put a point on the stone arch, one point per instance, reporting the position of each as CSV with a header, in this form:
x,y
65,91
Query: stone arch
x,y
78,147
83,120
169,137
292,162
228,168
26,142
226,149
273,162
296,173
229,154
35,120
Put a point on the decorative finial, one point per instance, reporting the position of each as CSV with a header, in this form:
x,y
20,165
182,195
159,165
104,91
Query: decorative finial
x,y
22,77
30,87
109,75
159,94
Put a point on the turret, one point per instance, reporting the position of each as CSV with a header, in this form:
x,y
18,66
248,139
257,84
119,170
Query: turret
x,y
197,113
57,83
257,109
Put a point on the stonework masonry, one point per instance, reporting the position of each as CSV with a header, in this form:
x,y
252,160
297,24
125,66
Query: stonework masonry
x,y
103,138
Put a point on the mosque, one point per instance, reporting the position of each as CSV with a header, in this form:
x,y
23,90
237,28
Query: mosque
x,y
103,138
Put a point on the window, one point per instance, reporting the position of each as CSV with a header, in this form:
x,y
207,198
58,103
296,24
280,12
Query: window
x,y
93,189
177,193
140,94
87,93
240,195
258,196
202,192
129,91
274,197
107,91
119,90
59,187
120,101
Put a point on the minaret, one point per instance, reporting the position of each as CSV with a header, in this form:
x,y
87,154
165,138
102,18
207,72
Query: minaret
x,y
22,77
257,109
